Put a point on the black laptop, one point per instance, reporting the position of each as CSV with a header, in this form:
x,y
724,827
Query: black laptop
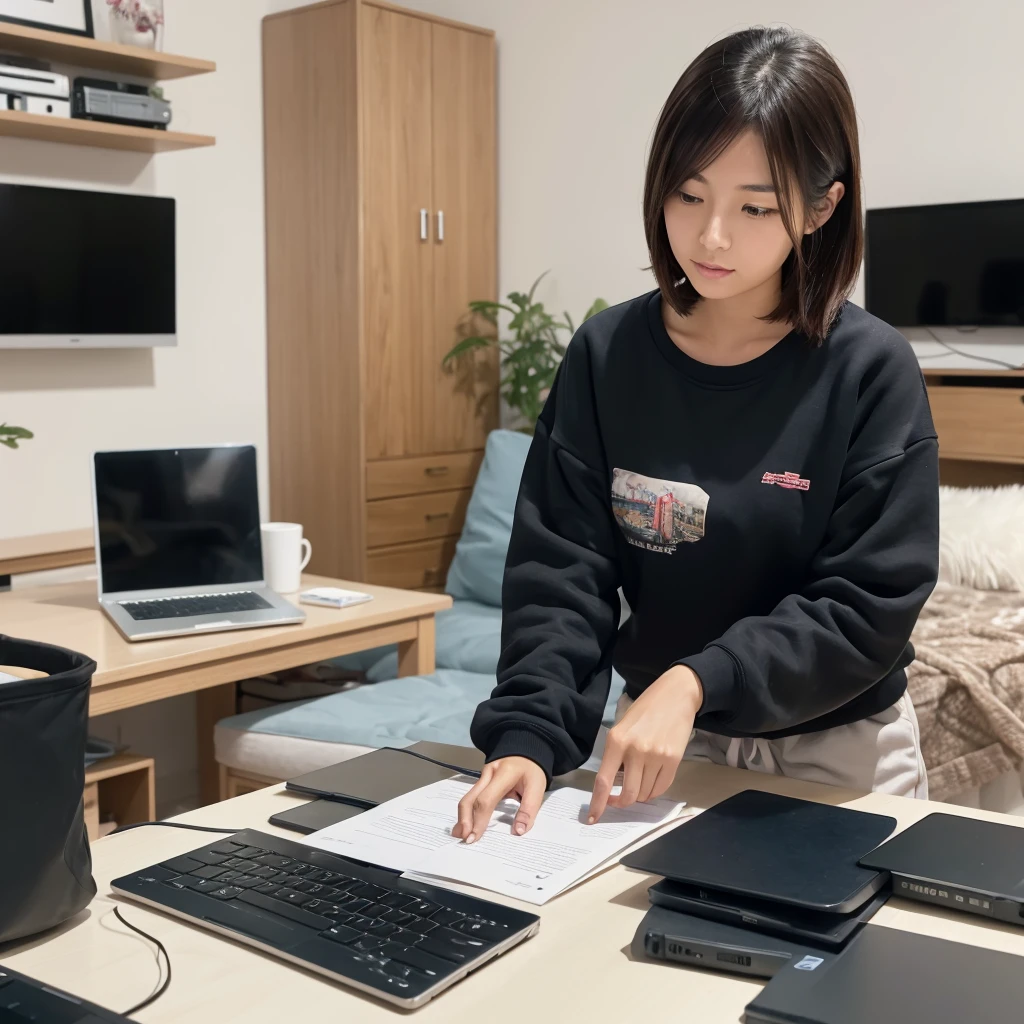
x,y
888,976
711,945
824,929
771,847
958,862
23,999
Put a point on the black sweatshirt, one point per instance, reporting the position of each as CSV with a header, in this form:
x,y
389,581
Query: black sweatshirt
x,y
772,525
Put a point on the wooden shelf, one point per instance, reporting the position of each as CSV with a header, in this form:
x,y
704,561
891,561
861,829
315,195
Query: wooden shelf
x,y
46,128
119,788
90,53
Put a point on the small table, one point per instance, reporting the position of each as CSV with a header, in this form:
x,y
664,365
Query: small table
x,y
129,674
577,968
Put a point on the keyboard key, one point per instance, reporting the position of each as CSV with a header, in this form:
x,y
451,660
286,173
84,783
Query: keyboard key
x,y
240,864
208,872
342,934
452,946
296,899
397,899
422,908
382,928
482,929
318,875
182,881
444,916
334,878
233,862
368,943
432,966
205,885
227,847
360,922
407,938
298,915
208,857
298,868
275,860
228,892
397,970
250,852
247,882
183,864
396,916
355,906
266,887
422,926
321,906
375,910
264,872
230,876
369,892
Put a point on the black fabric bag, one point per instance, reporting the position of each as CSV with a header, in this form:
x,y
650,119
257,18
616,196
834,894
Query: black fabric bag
x,y
45,864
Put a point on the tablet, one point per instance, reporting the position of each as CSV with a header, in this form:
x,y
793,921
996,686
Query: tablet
x,y
774,848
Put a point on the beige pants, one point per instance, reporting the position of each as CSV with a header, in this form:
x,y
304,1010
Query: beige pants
x,y
881,753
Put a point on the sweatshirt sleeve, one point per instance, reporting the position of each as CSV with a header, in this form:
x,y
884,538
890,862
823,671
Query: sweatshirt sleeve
x,y
850,624
560,606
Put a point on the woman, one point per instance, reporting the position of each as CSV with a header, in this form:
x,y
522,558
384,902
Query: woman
x,y
747,455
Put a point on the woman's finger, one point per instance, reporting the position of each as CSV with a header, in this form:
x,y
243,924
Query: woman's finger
x,y
632,777
610,764
529,802
666,777
483,804
465,818
652,772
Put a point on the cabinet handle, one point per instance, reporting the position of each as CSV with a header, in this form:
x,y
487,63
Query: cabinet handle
x,y
440,225
424,229
434,516
436,470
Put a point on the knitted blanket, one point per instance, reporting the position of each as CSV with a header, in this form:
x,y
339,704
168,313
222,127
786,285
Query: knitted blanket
x,y
967,685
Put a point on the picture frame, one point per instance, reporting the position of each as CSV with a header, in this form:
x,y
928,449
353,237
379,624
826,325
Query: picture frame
x,y
71,16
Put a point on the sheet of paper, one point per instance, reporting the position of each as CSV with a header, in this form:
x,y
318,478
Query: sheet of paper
x,y
412,834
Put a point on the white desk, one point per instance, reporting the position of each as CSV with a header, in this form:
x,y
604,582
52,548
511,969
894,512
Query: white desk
x,y
578,968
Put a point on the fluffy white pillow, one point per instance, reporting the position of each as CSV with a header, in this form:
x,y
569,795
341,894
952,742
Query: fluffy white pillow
x,y
981,537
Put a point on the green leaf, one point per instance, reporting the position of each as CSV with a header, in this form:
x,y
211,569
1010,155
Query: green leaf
x,y
533,287
596,306
466,345
10,436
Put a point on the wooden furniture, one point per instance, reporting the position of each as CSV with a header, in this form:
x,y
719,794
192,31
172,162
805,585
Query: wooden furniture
x,y
577,968
129,674
46,551
381,227
979,417
113,58
119,790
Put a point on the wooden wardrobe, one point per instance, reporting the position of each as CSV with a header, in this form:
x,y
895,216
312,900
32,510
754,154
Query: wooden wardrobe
x,y
381,213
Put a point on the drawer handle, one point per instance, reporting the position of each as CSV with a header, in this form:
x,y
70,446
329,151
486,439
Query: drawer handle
x,y
432,517
436,470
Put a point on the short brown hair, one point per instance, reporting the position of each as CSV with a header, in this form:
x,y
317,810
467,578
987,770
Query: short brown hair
x,y
788,88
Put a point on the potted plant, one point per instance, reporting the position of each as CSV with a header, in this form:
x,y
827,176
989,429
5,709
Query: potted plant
x,y
10,436
530,356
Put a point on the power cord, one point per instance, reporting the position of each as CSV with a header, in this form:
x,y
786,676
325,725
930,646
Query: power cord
x,y
967,355
161,988
433,760
175,824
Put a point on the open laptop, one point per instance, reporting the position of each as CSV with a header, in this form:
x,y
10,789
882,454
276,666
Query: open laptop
x,y
178,542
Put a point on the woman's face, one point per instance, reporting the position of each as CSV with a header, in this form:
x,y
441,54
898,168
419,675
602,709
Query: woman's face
x,y
724,224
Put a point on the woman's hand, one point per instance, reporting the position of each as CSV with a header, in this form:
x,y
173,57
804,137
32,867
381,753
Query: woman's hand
x,y
517,777
649,742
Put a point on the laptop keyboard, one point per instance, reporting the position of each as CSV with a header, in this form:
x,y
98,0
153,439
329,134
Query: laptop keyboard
x,y
399,942
200,604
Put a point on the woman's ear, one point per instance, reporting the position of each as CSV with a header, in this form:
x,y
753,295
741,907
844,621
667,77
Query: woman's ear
x,y
826,207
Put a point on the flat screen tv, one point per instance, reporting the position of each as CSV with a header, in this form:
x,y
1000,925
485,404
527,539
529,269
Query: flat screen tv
x,y
950,265
85,269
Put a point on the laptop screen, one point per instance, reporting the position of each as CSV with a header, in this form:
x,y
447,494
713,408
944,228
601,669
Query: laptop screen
x,y
177,518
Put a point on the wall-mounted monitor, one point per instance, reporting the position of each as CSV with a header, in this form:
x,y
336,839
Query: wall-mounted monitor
x,y
951,265
85,269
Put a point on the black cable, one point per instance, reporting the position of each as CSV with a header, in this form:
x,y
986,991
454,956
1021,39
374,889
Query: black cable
x,y
433,760
161,989
175,824
969,355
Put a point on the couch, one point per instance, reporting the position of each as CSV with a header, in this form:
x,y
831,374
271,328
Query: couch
x,y
281,742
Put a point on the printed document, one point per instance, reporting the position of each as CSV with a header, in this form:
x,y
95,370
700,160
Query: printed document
x,y
412,834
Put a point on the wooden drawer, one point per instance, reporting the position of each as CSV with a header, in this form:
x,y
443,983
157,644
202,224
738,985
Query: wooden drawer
x,y
979,423
393,478
419,517
411,566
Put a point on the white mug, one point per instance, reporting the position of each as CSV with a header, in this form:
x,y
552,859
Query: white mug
x,y
283,558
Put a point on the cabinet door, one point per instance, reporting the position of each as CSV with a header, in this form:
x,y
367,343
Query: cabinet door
x,y
398,262
462,402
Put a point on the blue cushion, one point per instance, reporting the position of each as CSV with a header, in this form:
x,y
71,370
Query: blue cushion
x,y
437,707
479,563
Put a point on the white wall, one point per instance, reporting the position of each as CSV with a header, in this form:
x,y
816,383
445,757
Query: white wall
x,y
581,82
